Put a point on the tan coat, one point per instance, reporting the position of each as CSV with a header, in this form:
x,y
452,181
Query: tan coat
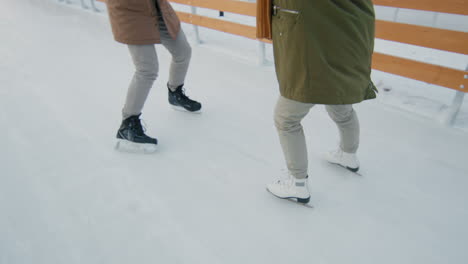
x,y
136,22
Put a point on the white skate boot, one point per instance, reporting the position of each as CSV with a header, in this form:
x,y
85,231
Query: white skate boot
x,y
290,188
347,160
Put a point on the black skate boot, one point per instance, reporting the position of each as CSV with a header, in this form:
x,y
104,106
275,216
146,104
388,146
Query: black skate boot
x,y
180,101
131,137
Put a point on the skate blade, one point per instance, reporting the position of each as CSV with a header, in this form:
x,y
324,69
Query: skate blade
x,y
299,201
353,170
131,147
181,109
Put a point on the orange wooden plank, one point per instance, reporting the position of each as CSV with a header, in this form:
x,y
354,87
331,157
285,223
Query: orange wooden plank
x,y
459,7
447,77
443,76
232,6
441,39
220,25
264,19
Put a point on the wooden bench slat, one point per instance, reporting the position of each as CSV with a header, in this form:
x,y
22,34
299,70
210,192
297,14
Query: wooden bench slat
x,y
217,24
459,7
232,6
439,75
435,38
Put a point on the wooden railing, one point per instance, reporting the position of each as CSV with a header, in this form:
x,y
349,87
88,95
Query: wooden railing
x,y
448,40
443,6
441,39
231,6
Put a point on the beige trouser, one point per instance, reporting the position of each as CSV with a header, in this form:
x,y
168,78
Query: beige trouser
x,y
146,63
288,116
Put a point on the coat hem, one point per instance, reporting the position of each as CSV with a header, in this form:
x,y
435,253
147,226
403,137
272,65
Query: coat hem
x,y
335,101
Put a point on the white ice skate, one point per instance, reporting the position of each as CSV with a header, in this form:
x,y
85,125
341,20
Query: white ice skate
x,y
347,160
290,188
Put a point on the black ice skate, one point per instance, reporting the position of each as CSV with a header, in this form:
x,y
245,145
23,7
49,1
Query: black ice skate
x,y
180,101
131,137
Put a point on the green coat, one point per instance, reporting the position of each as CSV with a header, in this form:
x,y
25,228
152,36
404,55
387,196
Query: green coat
x,y
323,50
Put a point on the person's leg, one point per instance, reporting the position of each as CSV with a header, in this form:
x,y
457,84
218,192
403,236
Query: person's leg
x,y
181,54
348,125
288,116
131,135
145,60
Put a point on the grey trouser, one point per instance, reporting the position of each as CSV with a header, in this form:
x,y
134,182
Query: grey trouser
x,y
147,67
288,116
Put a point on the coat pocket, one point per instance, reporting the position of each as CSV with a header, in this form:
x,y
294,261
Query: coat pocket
x,y
290,51
285,20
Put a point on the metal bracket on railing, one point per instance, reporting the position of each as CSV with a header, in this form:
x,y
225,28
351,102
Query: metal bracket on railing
x,y
195,27
434,19
395,15
66,1
262,58
450,114
83,5
93,6
261,53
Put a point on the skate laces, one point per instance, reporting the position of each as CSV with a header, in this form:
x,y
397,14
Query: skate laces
x,y
286,183
143,125
183,95
337,153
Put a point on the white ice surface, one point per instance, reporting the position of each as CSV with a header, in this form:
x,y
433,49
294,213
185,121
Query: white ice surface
x,y
67,197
